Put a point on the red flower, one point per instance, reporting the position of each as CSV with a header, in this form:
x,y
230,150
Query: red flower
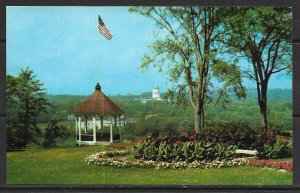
x,y
287,165
258,136
192,138
116,145
178,142
271,133
280,137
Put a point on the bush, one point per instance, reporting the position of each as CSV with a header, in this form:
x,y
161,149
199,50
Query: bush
x,y
52,132
190,147
282,148
165,150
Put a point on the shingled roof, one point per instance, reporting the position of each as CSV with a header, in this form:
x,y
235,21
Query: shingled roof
x,y
98,103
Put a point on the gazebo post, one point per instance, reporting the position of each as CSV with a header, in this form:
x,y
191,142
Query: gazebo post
x,y
119,117
86,123
115,120
120,126
111,133
124,120
101,125
76,126
101,120
79,130
94,129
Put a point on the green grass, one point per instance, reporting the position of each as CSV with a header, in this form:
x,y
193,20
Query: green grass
x,y
67,166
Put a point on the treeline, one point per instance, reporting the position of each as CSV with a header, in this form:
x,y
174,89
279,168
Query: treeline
x,y
244,110
28,105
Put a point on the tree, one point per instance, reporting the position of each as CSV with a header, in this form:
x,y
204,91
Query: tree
x,y
53,131
263,37
186,47
25,97
12,112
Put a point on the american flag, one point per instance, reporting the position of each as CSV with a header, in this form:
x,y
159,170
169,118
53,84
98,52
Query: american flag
x,y
103,30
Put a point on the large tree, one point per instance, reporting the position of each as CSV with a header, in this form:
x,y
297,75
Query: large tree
x,y
187,47
263,37
25,102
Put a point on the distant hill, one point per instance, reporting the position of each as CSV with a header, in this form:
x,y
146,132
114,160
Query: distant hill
x,y
245,110
273,95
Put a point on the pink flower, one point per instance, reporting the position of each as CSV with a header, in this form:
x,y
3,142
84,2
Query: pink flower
x,y
271,133
192,138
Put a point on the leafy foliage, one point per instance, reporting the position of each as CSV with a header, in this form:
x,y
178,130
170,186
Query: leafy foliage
x,y
25,102
163,150
52,132
213,144
188,51
281,149
264,40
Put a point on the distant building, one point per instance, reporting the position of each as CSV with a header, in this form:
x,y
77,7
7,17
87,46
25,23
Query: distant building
x,y
156,94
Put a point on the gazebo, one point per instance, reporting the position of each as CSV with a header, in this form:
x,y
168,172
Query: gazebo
x,y
91,115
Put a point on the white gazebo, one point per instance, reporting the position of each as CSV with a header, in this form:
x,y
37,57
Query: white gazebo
x,y
91,114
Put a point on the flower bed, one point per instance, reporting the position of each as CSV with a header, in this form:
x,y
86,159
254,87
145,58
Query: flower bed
x,y
105,159
107,154
286,165
108,159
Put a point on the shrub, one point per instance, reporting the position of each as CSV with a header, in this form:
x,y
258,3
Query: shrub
x,y
267,144
282,148
189,151
52,132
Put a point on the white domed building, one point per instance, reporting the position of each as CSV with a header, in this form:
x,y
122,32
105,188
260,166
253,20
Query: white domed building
x,y
156,94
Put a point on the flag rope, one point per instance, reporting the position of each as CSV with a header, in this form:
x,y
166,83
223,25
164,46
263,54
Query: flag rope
x,y
97,60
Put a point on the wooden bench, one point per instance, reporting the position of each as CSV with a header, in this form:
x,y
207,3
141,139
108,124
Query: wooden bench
x,y
247,152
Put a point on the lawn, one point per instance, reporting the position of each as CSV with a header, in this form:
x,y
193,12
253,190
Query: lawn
x,y
66,165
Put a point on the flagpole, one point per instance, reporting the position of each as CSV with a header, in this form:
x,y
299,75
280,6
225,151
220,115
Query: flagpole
x,y
97,39
106,33
97,60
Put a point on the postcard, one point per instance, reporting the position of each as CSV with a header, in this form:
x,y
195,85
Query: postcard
x,y
163,95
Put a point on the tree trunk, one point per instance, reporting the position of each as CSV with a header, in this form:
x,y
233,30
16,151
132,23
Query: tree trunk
x,y
197,121
263,113
202,118
199,118
262,101
26,122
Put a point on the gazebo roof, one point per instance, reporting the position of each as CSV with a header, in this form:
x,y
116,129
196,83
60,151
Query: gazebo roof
x,y
98,103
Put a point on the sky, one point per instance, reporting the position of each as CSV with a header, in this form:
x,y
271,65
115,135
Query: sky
x,y
62,46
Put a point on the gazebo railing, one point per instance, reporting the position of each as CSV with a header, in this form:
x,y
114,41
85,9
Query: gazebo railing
x,y
104,137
